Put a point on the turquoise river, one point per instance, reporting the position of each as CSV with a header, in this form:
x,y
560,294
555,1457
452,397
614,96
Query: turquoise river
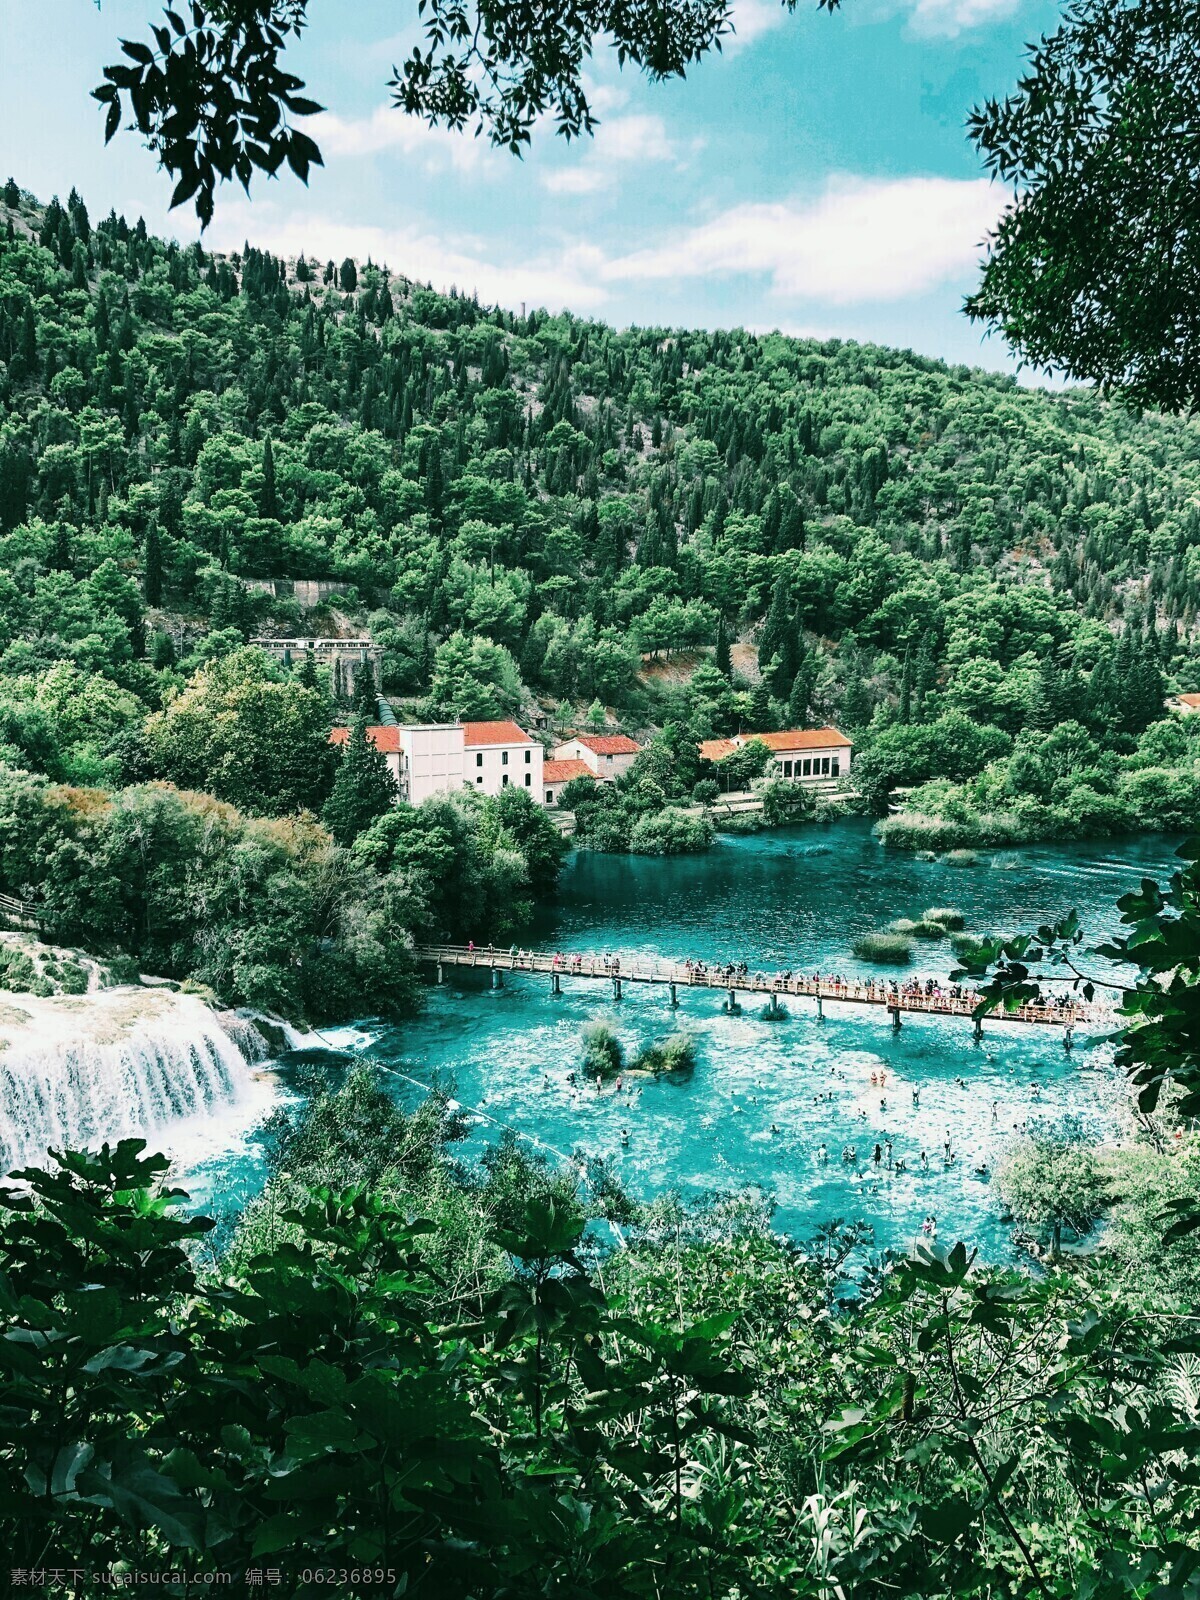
x,y
776,900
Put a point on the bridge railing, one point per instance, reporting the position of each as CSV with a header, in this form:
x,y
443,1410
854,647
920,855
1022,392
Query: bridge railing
x,y
591,964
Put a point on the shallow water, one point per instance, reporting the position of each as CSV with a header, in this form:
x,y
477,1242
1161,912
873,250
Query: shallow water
x,y
781,899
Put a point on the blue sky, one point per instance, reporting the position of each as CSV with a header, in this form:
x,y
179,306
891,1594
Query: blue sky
x,y
815,177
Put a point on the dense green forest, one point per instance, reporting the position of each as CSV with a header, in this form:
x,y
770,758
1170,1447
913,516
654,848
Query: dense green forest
x,y
680,533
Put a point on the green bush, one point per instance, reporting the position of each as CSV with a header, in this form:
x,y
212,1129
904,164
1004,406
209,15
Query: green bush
x,y
675,1055
961,858
603,1055
890,949
18,974
670,832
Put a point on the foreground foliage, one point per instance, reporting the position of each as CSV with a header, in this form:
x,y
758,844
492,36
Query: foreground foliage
x,y
481,1406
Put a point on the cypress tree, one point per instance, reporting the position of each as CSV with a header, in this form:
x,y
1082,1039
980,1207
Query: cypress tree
x,y
362,790
906,689
307,674
153,565
365,702
268,505
724,658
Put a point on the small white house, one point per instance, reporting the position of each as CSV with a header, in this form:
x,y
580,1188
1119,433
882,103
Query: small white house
x,y
555,774
606,755
1186,704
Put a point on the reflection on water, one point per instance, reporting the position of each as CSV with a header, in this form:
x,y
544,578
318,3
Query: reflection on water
x,y
797,899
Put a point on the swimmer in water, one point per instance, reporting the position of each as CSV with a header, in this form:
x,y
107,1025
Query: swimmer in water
x,y
916,1097
924,1162
774,1127
625,1136
822,1154
878,1154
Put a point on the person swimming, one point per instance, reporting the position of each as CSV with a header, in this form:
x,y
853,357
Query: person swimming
x,y
822,1154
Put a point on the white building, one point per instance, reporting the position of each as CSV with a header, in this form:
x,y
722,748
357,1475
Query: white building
x,y
1187,704
435,758
810,755
496,754
606,755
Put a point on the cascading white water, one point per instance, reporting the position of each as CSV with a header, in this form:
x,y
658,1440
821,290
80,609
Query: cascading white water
x,y
117,1064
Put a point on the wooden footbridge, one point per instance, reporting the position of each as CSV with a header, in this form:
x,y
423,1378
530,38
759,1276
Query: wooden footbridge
x,y
896,999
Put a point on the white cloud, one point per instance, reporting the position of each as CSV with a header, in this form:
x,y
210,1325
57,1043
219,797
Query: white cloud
x,y
948,18
618,142
862,240
753,18
389,128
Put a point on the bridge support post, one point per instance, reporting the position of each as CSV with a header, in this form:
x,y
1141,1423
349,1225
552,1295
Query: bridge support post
x,y
441,976
774,1010
731,1004
674,997
895,1010
820,1009
616,988
555,983
1069,1037
978,1030
497,978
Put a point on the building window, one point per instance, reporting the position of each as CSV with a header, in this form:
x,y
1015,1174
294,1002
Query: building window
x,y
504,781
504,758
479,780
529,780
479,758
835,770
825,766
528,759
808,768
549,797
609,760
787,769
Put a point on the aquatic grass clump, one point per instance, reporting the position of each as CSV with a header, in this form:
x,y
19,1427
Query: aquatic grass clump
x,y
603,1054
674,1056
922,928
961,858
946,916
967,945
890,949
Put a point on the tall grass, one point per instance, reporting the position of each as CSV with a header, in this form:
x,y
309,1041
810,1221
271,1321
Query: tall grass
x,y
890,949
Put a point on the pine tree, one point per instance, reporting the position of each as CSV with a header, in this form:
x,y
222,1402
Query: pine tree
x,y
307,674
362,790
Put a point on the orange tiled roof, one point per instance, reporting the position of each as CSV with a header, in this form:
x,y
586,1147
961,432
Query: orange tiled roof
x,y
801,739
607,744
385,737
477,733
564,771
717,749
792,739
1189,700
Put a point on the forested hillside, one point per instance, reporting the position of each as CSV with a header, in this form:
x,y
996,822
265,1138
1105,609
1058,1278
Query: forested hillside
x,y
523,507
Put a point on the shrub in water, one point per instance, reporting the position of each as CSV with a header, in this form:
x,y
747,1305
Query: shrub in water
x,y
947,916
676,1054
961,858
603,1055
904,925
966,944
893,949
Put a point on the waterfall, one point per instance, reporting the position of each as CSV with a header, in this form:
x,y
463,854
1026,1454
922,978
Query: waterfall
x,y
81,1071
